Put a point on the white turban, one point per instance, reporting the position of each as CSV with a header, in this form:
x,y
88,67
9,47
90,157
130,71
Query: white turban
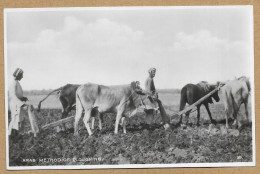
x,y
17,72
151,69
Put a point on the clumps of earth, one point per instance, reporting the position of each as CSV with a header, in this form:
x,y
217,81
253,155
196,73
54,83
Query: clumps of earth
x,y
142,144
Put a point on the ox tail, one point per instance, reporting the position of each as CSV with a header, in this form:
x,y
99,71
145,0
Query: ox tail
x,y
232,105
183,98
78,98
248,86
79,107
39,105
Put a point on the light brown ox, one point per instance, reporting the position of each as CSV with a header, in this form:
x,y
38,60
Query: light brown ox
x,y
235,93
94,100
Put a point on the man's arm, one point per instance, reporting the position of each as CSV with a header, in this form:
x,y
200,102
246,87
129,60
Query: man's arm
x,y
13,96
148,84
19,93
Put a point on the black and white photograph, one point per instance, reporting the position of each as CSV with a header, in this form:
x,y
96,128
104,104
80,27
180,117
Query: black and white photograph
x,y
129,87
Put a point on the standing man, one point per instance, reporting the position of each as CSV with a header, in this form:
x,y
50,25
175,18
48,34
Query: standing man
x,y
16,101
150,89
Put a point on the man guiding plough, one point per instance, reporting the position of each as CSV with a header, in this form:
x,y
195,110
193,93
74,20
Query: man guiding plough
x,y
16,102
153,96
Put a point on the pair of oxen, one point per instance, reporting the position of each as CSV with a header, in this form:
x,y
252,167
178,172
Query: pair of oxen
x,y
93,101
234,93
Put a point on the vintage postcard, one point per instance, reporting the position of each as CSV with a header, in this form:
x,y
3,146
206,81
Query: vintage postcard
x,y
129,87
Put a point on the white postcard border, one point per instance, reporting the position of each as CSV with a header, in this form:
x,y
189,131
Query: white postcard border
x,y
125,166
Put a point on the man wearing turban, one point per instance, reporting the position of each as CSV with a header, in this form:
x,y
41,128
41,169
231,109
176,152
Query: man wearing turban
x,y
151,90
16,101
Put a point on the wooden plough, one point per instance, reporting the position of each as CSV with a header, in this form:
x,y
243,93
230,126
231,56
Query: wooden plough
x,y
188,108
59,122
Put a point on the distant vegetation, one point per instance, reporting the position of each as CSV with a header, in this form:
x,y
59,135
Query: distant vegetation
x,y
175,91
47,91
38,92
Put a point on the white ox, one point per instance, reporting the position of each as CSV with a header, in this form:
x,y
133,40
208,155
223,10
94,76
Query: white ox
x,y
235,93
94,100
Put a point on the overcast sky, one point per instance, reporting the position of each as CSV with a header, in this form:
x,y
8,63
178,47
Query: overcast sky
x,y
113,46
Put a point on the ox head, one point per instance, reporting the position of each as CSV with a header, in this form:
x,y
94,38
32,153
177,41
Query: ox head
x,y
136,88
142,101
246,80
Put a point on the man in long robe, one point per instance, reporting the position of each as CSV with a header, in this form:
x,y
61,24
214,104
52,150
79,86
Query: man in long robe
x,y
16,101
151,90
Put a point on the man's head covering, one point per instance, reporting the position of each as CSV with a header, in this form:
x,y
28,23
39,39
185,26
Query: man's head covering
x,y
151,69
17,72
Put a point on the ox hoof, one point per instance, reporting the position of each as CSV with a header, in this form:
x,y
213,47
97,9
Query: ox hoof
x,y
198,125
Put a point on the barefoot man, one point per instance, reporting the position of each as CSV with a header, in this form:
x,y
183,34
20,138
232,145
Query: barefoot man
x,y
16,102
150,89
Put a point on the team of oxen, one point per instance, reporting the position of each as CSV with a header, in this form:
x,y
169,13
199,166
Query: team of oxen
x,y
94,101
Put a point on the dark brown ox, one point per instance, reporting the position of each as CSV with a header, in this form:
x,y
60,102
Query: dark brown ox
x,y
67,97
191,93
235,93
98,99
